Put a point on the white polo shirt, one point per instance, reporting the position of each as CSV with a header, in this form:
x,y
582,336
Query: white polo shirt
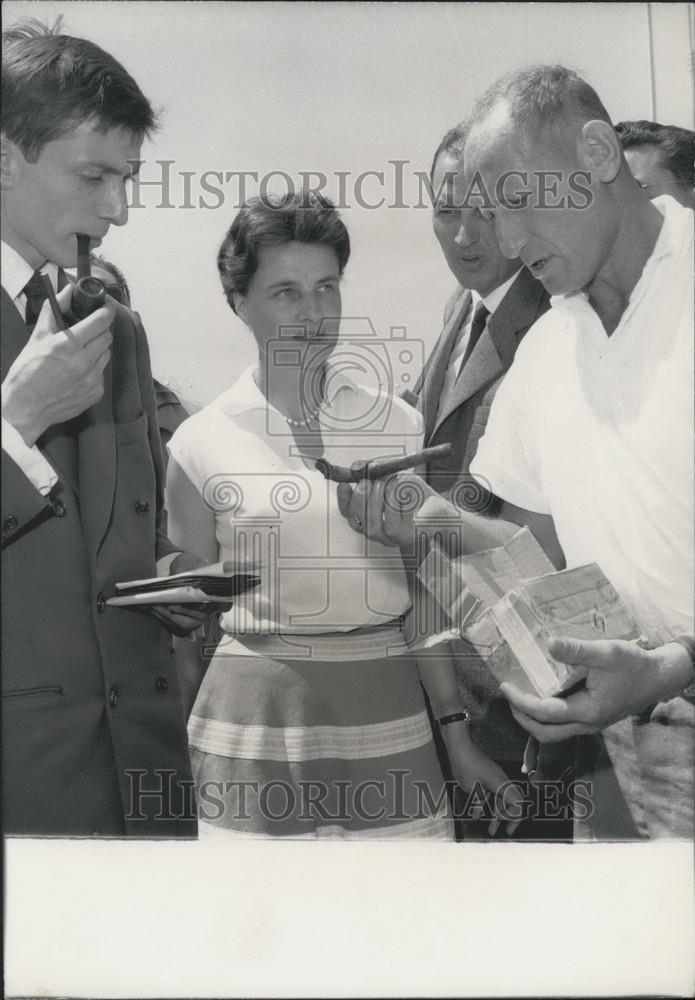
x,y
597,431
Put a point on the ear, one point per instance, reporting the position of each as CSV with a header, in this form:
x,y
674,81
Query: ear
x,y
599,150
10,156
240,306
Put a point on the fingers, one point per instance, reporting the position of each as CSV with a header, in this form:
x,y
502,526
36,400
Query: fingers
x,y
82,332
506,800
540,709
550,732
512,806
595,653
363,507
507,804
374,510
344,494
182,619
578,707
93,327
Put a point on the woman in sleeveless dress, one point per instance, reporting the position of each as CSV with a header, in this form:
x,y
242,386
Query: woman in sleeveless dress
x,y
310,719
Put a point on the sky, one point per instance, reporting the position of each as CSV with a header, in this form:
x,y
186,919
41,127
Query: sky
x,y
341,89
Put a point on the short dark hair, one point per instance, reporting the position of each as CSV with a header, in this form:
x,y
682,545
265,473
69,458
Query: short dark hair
x,y
453,142
119,280
271,221
676,145
541,97
52,82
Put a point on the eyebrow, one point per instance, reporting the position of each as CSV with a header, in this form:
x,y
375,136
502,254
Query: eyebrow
x,y
106,169
294,282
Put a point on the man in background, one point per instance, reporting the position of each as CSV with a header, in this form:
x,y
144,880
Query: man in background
x,y
494,304
661,158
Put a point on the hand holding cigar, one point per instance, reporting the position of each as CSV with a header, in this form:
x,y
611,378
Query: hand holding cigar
x,y
380,468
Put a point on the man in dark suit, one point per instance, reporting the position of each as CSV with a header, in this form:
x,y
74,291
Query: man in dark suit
x,y
94,740
495,304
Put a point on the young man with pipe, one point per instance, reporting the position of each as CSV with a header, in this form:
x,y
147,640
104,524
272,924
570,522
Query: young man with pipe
x,y
94,740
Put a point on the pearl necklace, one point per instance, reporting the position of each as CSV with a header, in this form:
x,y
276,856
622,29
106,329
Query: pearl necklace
x,y
304,423
297,423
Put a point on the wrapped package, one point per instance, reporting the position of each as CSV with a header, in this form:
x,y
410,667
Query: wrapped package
x,y
513,634
509,601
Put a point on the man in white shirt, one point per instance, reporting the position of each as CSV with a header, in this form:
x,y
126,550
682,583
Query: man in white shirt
x,y
602,451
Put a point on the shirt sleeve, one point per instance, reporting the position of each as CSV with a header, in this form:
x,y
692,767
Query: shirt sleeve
x,y
189,446
506,462
31,461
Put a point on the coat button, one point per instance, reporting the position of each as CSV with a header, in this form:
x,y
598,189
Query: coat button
x,y
58,508
142,506
113,696
101,604
162,685
10,524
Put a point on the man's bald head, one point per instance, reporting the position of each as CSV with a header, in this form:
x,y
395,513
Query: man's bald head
x,y
542,148
541,98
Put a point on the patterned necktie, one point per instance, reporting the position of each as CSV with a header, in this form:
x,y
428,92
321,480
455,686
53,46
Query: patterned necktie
x,y
477,326
35,291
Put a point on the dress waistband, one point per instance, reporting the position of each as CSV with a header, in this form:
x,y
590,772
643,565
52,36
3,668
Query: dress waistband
x,y
373,643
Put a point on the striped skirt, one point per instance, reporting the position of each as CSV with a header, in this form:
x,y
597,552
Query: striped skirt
x,y
316,736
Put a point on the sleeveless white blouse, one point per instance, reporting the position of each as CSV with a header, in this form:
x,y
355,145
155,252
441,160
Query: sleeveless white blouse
x,y
277,515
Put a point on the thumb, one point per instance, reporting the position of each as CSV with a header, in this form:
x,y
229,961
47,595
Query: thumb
x,y
64,297
344,493
185,562
579,652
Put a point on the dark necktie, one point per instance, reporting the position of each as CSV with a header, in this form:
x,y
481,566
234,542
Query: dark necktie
x,y
477,326
36,295
35,291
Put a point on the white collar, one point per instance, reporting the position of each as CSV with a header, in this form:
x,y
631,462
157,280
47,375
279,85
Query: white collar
x,y
16,272
245,396
492,300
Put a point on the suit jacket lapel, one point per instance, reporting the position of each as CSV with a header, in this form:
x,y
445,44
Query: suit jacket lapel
x,y
14,333
96,438
438,363
97,464
483,366
494,352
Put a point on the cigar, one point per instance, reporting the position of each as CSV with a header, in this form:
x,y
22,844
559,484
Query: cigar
x,y
378,468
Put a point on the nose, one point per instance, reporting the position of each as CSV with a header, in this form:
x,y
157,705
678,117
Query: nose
x,y
310,311
114,204
510,231
469,228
